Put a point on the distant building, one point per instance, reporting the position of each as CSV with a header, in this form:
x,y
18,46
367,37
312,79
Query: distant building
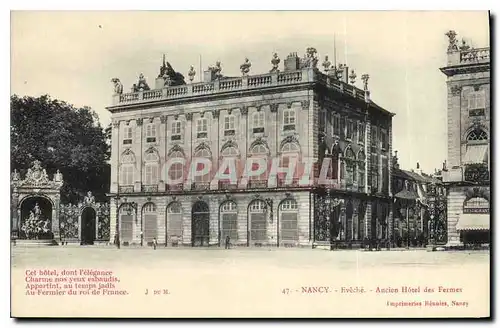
x,y
468,174
419,208
297,113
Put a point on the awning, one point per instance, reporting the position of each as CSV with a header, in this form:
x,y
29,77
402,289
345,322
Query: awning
x,y
473,222
476,154
405,194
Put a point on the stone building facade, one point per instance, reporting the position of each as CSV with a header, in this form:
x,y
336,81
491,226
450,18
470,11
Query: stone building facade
x,y
468,173
298,113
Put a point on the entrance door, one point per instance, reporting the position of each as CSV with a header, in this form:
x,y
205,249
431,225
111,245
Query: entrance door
x,y
200,224
88,226
258,223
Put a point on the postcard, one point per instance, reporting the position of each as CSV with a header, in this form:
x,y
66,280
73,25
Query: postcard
x,y
259,164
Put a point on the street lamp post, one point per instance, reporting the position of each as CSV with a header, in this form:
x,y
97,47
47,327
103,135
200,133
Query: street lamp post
x,y
408,226
117,233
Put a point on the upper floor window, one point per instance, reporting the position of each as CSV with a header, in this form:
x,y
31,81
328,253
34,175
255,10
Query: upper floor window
x,y
374,136
230,152
229,126
290,150
202,128
361,169
127,135
176,170
361,133
127,169
258,122
199,154
176,130
151,168
477,135
260,151
322,120
336,125
151,132
350,129
375,178
289,119
476,103
343,122
384,140
476,100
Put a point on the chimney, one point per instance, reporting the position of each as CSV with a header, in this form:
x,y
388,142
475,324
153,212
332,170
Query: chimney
x,y
292,62
395,163
418,165
345,74
208,75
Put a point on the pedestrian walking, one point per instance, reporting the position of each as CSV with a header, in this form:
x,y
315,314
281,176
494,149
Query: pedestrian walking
x,y
155,243
228,242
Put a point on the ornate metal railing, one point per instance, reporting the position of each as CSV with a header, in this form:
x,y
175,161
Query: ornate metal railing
x,y
126,189
149,188
257,184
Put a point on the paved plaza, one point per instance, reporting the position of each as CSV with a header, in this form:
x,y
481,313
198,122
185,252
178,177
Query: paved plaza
x,y
282,258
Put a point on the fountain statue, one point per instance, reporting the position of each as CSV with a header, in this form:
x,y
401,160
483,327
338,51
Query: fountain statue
x,y
35,226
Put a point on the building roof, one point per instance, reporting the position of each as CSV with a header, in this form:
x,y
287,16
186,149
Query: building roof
x,y
414,176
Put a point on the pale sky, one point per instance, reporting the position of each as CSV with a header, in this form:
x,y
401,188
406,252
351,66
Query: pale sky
x,y
68,56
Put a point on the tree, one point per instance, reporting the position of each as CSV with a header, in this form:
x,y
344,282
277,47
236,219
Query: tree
x,y
61,137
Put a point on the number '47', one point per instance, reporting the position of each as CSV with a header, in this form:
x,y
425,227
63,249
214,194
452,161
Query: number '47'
x,y
285,291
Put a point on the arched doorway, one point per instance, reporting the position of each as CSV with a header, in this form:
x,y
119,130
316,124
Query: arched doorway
x,y
150,223
35,212
174,224
258,223
200,224
126,224
229,221
88,226
289,228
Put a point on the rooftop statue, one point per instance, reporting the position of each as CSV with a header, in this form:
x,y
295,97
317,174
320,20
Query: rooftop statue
x,y
216,69
118,86
464,45
326,64
452,39
339,71
141,85
365,78
245,67
352,77
191,74
275,61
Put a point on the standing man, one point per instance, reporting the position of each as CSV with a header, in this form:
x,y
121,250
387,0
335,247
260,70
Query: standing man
x,y
155,243
228,242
